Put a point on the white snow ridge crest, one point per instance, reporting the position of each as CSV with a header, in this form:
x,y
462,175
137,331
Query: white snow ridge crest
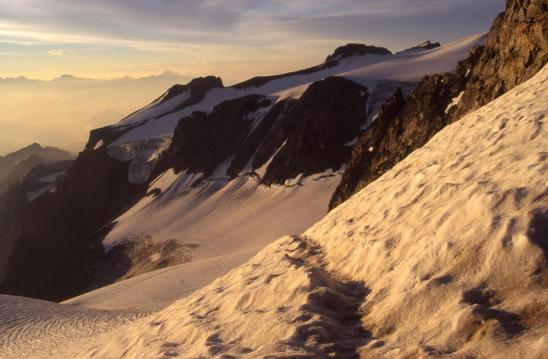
x,y
442,255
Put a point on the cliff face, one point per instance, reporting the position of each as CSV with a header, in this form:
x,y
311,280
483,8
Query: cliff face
x,y
317,130
276,141
516,50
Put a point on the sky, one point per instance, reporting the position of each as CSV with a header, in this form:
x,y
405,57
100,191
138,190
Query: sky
x,y
234,39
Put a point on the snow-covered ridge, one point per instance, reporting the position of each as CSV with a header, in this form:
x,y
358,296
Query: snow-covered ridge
x,y
443,254
158,120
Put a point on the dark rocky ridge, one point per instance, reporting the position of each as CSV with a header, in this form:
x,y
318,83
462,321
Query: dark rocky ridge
x,y
202,142
516,49
314,128
356,49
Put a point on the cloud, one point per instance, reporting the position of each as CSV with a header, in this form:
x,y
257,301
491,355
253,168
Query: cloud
x,y
211,36
145,23
58,52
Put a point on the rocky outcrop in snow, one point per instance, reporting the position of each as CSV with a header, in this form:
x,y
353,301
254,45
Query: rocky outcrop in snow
x,y
427,45
516,49
356,49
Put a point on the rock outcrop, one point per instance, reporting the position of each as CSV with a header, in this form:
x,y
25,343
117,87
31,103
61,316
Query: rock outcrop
x,y
516,49
427,45
348,50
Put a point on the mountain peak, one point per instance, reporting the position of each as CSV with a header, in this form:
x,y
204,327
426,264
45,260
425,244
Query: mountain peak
x,y
34,146
168,73
68,77
356,49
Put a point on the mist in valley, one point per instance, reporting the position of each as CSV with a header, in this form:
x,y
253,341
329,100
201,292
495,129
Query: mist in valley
x,y
61,112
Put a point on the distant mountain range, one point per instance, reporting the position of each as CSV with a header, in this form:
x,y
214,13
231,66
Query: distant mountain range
x,y
68,78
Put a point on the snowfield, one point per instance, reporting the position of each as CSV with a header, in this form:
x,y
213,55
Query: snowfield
x,y
445,254
227,221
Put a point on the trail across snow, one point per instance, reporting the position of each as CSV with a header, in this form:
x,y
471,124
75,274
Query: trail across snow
x,y
445,254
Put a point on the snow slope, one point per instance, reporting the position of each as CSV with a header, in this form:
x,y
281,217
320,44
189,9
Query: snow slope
x,y
228,221
444,255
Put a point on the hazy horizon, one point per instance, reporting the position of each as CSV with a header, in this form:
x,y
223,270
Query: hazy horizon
x,y
43,39
61,113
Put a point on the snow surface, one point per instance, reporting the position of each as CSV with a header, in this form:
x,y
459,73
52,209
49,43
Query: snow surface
x,y
229,220
156,108
440,256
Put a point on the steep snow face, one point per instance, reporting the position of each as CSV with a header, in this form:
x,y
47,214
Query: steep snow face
x,y
444,254
158,120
